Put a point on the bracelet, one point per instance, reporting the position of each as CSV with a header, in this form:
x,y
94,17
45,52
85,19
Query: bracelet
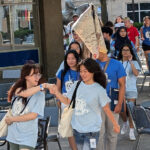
x,y
41,87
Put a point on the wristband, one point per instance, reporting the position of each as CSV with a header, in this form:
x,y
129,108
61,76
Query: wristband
x,y
41,87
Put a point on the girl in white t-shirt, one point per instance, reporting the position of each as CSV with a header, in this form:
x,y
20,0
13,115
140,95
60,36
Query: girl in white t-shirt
x,y
28,100
91,98
132,68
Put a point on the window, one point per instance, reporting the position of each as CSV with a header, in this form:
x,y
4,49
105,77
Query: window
x,y
18,24
141,10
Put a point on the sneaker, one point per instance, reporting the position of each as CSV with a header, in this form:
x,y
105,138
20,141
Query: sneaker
x,y
131,135
124,128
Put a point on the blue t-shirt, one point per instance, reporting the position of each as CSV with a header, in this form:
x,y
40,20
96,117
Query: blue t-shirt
x,y
146,33
114,71
89,101
61,67
26,133
69,78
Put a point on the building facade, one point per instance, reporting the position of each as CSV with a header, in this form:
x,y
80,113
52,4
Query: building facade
x,y
125,9
31,29
120,7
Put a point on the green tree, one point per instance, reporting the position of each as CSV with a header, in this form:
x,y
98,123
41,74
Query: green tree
x,y
104,11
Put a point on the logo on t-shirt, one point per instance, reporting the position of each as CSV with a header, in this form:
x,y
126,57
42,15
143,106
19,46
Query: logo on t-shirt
x,y
80,108
147,34
68,85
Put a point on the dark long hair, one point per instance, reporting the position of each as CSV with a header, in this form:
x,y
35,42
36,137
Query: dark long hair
x,y
93,67
21,83
66,66
131,51
75,42
121,40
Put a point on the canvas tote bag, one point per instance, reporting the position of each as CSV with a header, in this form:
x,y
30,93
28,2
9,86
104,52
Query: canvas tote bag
x,y
65,128
3,124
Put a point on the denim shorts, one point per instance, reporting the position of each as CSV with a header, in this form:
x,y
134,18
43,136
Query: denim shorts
x,y
83,139
131,95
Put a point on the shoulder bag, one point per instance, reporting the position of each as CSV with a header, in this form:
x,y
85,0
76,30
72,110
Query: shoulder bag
x,y
65,128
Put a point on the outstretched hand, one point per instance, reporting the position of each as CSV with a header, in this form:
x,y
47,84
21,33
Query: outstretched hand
x,y
53,89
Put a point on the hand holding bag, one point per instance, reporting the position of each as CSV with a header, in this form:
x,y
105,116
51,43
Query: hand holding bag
x,y
3,124
64,128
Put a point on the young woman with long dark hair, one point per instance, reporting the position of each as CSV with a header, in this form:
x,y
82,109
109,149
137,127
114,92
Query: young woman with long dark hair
x,y
91,98
65,79
120,40
28,101
132,68
72,46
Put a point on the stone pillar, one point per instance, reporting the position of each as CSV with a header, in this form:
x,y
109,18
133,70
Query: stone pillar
x,y
51,35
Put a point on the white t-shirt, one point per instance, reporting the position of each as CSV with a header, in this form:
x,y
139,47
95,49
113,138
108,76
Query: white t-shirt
x,y
131,78
89,101
26,133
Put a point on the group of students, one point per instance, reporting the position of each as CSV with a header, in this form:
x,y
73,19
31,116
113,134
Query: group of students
x,y
121,75
94,121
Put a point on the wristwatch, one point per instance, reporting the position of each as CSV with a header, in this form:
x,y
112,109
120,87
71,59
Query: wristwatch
x,y
41,87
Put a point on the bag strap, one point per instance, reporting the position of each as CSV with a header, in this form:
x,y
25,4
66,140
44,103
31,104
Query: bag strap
x,y
74,95
24,105
107,63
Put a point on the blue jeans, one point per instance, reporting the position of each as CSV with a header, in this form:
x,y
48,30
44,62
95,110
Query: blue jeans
x,y
83,139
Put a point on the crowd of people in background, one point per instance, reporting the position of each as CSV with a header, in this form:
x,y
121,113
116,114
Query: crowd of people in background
x,y
122,40
96,115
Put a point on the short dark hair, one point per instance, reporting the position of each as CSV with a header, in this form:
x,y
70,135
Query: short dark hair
x,y
109,24
107,30
107,43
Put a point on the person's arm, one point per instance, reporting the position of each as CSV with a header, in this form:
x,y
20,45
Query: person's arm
x,y
142,35
58,84
54,90
30,91
108,112
121,82
21,118
134,70
137,43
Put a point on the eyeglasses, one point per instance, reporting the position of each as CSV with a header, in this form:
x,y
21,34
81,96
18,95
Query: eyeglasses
x,y
125,50
37,75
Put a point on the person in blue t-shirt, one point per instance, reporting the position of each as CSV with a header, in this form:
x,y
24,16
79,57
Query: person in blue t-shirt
x,y
65,79
23,124
145,36
115,74
72,46
91,98
132,68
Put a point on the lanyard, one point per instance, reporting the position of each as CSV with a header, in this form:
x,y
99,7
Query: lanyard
x,y
106,65
126,65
